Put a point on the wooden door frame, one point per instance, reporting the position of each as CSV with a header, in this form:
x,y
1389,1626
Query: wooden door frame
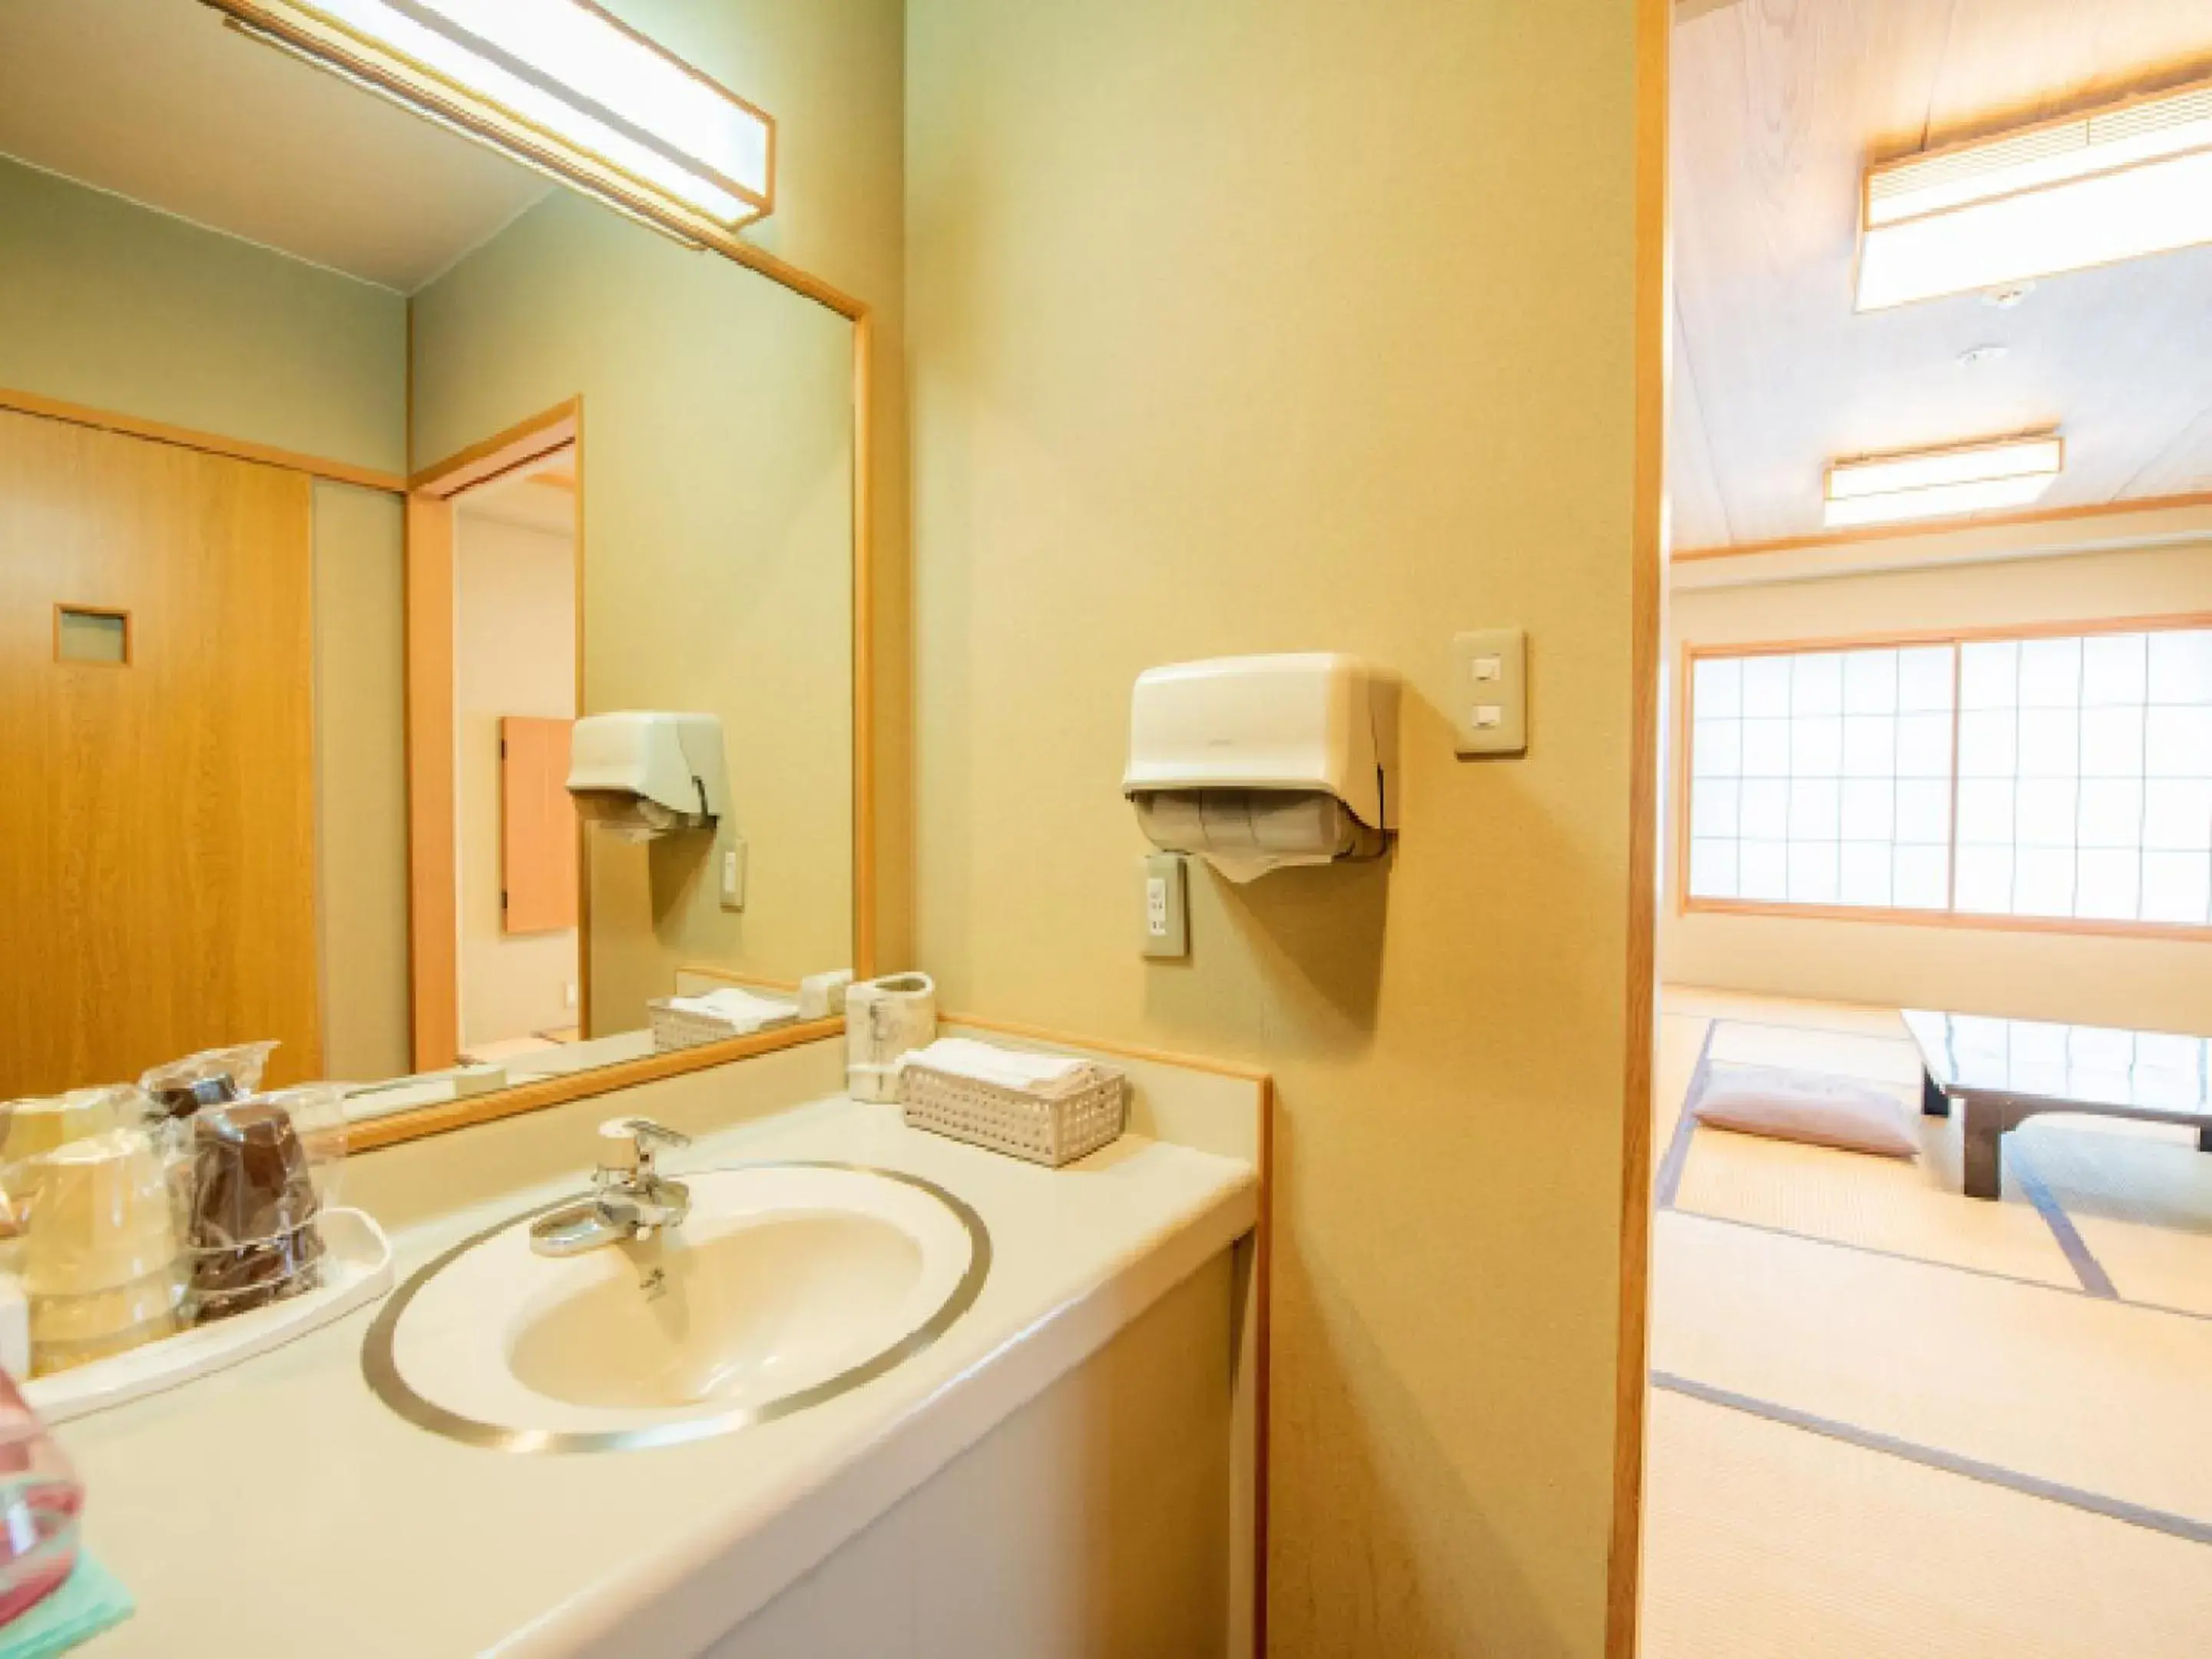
x,y
433,880
1648,539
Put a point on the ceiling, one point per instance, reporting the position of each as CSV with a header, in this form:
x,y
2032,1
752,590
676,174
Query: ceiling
x,y
1778,107
158,101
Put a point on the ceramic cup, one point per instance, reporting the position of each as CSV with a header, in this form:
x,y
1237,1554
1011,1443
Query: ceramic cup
x,y
101,1215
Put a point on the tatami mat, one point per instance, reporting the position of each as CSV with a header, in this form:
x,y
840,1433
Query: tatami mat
x,y
1903,1207
1762,1541
1854,1018
2083,1391
2140,1195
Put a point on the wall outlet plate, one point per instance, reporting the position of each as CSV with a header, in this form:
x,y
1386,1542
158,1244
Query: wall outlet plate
x,y
1167,906
1489,703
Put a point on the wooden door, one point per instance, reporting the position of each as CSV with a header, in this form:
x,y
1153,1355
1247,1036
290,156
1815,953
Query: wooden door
x,y
537,826
157,844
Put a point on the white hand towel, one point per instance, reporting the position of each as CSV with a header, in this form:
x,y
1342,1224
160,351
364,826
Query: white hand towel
x,y
1005,1068
740,1009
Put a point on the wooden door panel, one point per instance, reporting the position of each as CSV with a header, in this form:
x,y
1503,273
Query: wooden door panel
x,y
538,825
157,862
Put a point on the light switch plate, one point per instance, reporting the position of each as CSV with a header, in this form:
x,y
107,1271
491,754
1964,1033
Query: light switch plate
x,y
1167,906
1489,705
729,858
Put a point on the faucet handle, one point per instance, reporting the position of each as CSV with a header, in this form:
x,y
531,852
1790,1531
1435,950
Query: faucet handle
x,y
627,1144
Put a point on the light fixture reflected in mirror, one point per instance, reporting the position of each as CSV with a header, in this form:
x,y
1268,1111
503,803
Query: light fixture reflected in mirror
x,y
560,84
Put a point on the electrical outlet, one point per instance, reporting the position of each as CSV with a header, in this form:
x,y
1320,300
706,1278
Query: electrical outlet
x,y
1167,906
569,994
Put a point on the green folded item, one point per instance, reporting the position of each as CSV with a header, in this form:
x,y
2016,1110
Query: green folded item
x,y
90,1600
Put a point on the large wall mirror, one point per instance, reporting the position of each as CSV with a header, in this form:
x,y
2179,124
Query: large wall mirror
x,y
352,476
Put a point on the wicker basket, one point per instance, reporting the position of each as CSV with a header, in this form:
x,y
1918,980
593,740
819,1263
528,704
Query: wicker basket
x,y
1089,1110
674,1028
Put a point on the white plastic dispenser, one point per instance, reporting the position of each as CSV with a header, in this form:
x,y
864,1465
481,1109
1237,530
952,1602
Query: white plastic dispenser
x,y
645,773
1252,764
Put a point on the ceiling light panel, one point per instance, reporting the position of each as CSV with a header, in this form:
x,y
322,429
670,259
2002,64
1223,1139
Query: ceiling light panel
x,y
2118,184
1939,484
559,81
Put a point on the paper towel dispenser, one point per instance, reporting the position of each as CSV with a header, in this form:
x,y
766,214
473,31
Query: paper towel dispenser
x,y
1255,762
645,773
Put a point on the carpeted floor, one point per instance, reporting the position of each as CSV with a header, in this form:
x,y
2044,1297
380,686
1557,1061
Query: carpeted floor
x,y
1889,1420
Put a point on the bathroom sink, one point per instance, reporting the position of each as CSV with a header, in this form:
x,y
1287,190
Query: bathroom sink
x,y
787,1285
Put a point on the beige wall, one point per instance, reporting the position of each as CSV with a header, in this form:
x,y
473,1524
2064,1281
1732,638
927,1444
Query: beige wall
x,y
833,74
514,652
716,469
2086,978
140,314
149,315
1248,326
361,781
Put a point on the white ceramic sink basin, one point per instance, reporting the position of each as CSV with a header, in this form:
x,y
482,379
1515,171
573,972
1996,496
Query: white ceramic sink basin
x,y
787,1285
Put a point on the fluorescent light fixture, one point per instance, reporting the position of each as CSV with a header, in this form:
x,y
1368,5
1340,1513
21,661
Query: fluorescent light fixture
x,y
2132,179
559,83
1937,482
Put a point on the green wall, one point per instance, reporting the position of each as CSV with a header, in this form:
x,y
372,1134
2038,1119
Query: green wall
x,y
130,310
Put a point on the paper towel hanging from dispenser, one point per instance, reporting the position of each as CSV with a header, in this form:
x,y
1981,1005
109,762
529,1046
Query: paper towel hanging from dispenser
x,y
1254,763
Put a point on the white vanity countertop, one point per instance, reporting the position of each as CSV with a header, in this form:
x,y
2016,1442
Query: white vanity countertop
x,y
281,1509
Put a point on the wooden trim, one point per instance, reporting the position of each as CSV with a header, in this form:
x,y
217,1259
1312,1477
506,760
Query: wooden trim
x,y
864,657
1678,775
1886,532
526,441
1640,991
433,899
432,881
1263,1270
1906,637
1972,920
583,829
211,443
130,634
449,1116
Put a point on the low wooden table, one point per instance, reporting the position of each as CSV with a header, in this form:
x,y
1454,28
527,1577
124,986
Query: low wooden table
x,y
2003,1071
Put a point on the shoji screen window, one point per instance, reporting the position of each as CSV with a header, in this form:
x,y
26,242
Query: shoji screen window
x,y
1822,778
2048,777
2085,777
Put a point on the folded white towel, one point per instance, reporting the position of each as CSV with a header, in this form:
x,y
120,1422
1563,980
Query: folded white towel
x,y
740,1009
1006,1069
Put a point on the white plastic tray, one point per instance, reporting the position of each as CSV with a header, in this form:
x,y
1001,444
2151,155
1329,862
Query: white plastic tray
x,y
356,1270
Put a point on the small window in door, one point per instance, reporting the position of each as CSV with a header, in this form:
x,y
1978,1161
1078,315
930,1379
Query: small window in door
x,y
83,634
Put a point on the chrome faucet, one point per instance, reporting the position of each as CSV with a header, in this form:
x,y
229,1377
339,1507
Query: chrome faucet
x,y
628,1199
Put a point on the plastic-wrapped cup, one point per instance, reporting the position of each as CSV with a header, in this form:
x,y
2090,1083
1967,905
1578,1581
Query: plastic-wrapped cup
x,y
38,1126
101,1215
254,1231
99,1314
52,1354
